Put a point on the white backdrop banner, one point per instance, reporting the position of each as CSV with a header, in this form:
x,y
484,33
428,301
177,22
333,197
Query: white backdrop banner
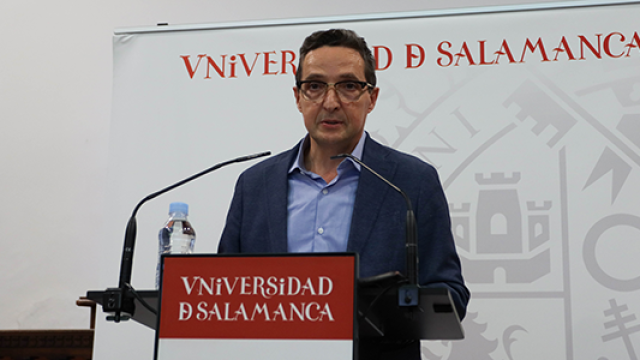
x,y
532,119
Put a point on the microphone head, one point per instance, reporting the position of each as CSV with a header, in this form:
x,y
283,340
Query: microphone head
x,y
340,156
255,156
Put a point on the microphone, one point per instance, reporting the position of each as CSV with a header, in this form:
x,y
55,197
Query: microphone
x,y
118,299
411,234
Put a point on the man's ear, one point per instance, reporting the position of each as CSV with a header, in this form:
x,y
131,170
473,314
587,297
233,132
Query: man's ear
x,y
296,95
374,99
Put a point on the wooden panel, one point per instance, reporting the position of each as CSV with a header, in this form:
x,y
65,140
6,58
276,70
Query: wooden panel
x,y
46,344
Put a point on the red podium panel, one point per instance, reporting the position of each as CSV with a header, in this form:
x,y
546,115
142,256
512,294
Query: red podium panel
x,y
281,306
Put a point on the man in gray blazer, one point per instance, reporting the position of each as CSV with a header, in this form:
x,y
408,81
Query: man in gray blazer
x,y
302,200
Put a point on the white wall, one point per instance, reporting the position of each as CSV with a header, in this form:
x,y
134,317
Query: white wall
x,y
55,97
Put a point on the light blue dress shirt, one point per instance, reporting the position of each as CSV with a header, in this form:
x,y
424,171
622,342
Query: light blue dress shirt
x,y
319,214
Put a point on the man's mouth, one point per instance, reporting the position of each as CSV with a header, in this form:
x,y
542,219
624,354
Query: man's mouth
x,y
331,122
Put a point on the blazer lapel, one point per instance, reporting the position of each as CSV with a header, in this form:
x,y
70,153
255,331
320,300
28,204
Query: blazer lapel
x,y
275,180
370,194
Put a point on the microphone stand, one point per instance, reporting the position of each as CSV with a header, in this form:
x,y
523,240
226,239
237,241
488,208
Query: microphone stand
x,y
120,300
408,295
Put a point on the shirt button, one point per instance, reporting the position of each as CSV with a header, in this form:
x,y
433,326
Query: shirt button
x,y
320,231
325,191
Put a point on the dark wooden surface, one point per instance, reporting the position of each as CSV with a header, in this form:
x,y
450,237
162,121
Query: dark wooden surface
x,y
46,344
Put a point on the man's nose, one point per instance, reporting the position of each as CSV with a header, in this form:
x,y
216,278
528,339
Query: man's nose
x,y
331,98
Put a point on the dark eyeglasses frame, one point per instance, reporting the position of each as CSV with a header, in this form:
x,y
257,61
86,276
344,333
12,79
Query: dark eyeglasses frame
x,y
365,86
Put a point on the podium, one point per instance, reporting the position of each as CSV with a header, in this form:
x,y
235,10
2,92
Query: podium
x,y
318,293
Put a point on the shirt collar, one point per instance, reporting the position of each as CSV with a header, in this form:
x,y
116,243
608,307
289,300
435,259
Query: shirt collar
x,y
299,163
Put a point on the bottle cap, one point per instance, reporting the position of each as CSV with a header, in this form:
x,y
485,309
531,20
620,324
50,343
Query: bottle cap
x,y
179,207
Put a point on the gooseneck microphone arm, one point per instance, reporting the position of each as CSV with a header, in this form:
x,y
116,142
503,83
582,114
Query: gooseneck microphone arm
x,y
116,299
411,234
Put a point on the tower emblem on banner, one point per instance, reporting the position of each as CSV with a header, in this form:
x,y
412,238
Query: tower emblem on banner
x,y
511,243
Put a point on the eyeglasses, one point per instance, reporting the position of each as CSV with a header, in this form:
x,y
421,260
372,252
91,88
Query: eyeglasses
x,y
348,90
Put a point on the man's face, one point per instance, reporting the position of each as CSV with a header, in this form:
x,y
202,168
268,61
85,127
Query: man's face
x,y
333,123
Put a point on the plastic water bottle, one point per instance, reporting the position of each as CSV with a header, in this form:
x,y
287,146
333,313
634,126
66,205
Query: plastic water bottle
x,y
176,236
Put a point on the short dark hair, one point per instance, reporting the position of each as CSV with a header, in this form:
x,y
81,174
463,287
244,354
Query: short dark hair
x,y
339,37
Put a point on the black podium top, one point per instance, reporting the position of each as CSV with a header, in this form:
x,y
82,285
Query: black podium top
x,y
379,315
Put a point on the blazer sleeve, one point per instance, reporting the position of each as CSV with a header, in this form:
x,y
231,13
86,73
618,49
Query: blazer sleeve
x,y
439,262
